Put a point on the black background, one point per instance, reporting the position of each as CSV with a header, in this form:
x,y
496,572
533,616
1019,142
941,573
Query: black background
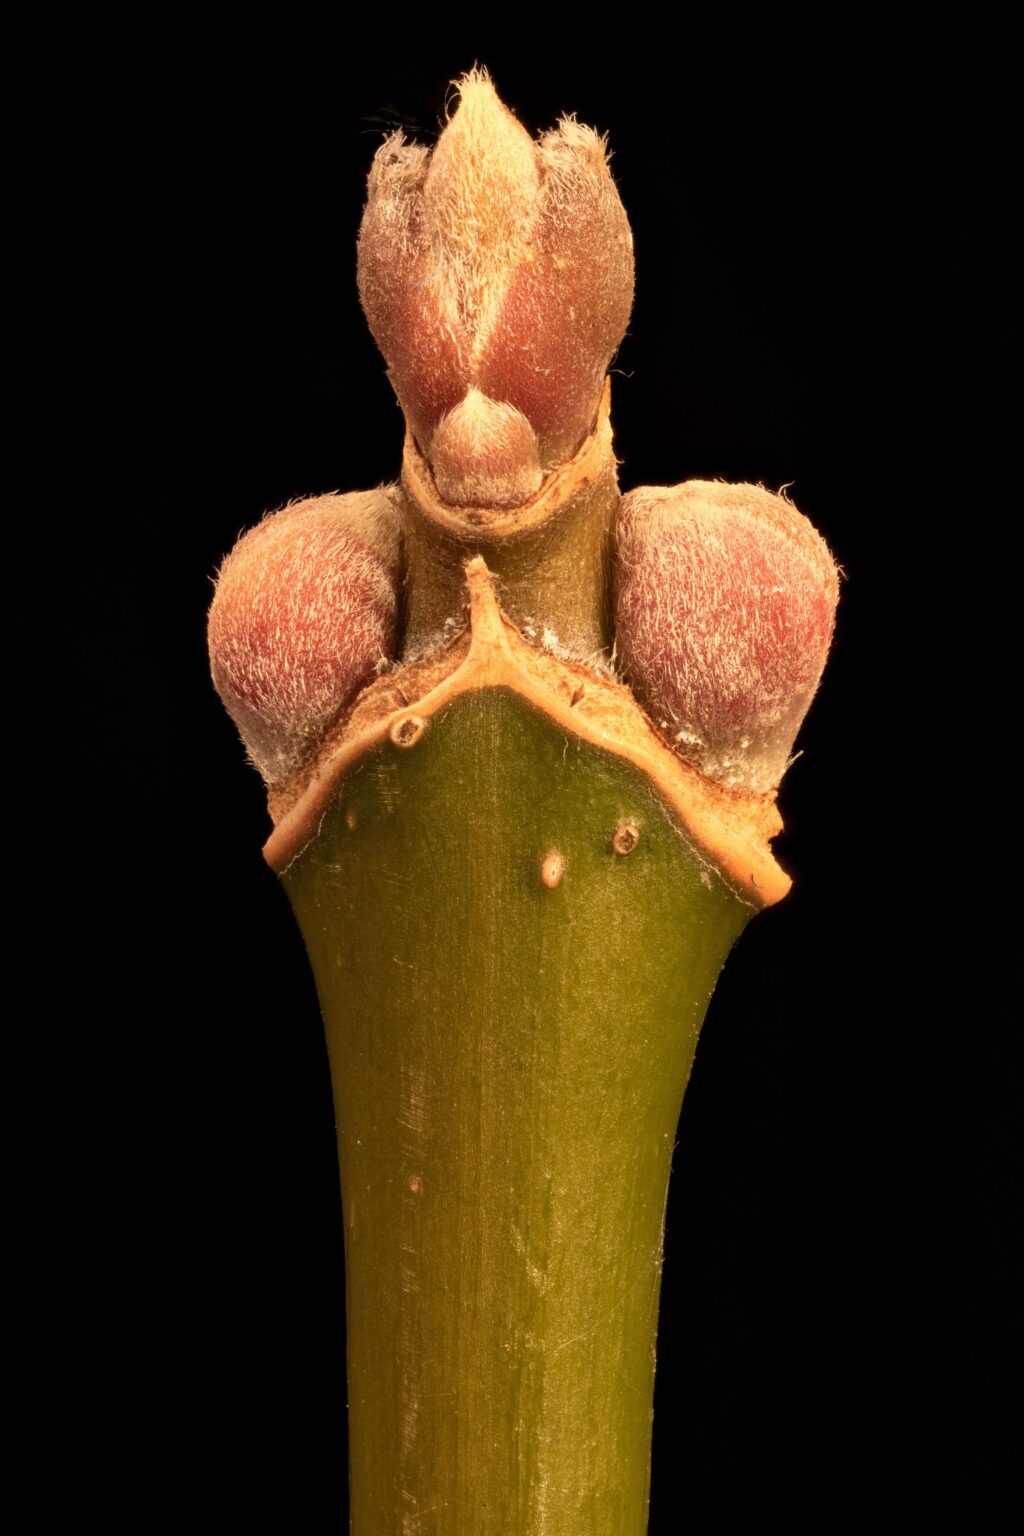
x,y
824,265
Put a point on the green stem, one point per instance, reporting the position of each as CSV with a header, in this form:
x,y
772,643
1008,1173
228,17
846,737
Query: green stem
x,y
552,558
512,996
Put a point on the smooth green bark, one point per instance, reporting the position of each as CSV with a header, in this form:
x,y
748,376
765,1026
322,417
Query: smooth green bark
x,y
509,1061
556,577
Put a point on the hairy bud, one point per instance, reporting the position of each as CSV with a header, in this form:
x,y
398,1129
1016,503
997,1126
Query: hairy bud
x,y
485,454
725,603
303,617
500,266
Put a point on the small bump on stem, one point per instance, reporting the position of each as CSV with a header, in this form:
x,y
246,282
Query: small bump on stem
x,y
551,870
407,731
625,838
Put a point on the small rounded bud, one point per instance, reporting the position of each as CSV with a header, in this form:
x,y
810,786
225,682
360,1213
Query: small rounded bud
x,y
485,454
725,604
303,616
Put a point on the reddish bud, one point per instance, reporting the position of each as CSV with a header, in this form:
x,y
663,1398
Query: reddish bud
x,y
303,617
725,603
500,266
485,455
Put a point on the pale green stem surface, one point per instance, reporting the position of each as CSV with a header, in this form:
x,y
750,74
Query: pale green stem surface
x,y
509,1063
556,577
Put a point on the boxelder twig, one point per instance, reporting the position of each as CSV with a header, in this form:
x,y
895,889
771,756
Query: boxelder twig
x,y
517,873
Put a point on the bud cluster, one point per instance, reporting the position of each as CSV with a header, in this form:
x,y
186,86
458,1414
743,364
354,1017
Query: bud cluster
x,y
497,278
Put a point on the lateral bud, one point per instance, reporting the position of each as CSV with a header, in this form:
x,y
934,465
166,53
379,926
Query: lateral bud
x,y
725,605
303,617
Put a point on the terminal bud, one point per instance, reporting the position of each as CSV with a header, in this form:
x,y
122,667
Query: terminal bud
x,y
499,270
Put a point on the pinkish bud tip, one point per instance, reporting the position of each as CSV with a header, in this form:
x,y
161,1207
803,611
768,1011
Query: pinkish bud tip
x,y
499,266
303,617
725,604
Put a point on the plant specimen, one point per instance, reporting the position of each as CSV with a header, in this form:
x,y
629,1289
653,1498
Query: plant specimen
x,y
521,737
